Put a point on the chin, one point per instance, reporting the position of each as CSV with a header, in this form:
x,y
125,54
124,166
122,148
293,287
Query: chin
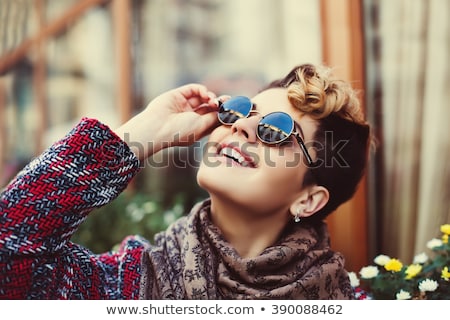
x,y
201,180
213,181
206,180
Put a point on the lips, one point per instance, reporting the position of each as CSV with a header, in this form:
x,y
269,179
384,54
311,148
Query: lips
x,y
237,155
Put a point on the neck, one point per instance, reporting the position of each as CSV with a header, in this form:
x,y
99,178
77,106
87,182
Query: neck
x,y
248,230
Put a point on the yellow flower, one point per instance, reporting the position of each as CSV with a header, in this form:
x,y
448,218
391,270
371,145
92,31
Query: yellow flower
x,y
445,238
393,265
412,270
445,228
445,274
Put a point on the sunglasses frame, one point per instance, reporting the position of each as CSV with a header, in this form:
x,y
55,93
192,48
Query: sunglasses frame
x,y
242,116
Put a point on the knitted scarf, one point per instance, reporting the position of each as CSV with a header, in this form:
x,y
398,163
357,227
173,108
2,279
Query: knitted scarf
x,y
192,260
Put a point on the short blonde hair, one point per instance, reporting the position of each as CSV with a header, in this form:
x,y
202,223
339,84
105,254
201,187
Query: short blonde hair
x,y
318,93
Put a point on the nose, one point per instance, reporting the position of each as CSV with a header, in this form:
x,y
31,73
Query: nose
x,y
246,127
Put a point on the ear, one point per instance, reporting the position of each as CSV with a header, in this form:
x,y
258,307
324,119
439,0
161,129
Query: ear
x,y
310,201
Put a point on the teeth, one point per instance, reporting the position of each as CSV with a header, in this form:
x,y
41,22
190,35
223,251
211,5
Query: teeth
x,y
229,152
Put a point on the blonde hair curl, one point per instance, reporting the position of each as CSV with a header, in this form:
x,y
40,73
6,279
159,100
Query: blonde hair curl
x,y
317,93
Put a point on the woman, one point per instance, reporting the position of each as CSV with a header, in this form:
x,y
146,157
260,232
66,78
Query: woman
x,y
272,169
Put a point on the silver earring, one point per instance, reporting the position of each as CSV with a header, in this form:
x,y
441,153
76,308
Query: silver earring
x,y
297,216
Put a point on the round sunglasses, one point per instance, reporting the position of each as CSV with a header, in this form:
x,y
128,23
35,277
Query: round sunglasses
x,y
273,128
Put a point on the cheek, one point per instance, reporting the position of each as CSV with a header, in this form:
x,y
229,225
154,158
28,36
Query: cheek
x,y
283,159
218,134
276,187
285,169
285,178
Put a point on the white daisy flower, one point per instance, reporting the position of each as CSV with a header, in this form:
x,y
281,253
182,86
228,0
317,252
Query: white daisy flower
x,y
428,285
354,281
381,259
368,272
420,258
403,295
434,243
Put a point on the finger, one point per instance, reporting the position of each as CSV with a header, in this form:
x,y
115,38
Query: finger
x,y
195,97
196,90
209,123
206,94
212,105
206,108
223,98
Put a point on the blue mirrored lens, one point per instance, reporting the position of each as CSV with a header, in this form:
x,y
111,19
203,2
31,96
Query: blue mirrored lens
x,y
275,127
234,109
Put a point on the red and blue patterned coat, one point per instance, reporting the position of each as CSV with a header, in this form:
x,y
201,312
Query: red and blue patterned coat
x,y
44,205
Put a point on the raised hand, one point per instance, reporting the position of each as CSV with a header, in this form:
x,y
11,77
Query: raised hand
x,y
177,117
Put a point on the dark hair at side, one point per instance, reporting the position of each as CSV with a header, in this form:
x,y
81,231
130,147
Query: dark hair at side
x,y
341,159
342,138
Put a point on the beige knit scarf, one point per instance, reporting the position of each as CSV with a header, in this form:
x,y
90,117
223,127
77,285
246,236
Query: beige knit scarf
x,y
192,260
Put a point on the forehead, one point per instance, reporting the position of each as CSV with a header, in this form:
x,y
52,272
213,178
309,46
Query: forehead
x,y
275,99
